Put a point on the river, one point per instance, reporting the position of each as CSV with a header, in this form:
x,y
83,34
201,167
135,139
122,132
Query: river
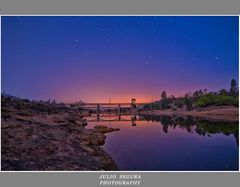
x,y
160,143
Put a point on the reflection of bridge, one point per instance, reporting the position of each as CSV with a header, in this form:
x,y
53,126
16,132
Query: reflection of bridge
x,y
118,106
110,118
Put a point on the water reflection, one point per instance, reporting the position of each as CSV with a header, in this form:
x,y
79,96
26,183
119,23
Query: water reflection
x,y
201,127
134,118
112,117
147,142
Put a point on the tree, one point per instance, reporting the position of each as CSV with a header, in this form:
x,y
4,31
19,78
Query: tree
x,y
223,92
164,95
164,101
200,92
196,94
133,103
233,89
188,103
173,98
54,102
189,94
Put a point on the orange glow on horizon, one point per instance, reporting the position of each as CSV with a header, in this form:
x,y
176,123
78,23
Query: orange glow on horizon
x,y
96,95
124,98
113,100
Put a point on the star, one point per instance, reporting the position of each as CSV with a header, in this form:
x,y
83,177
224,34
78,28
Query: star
x,y
216,58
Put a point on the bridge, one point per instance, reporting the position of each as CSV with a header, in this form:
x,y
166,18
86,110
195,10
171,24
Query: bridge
x,y
118,106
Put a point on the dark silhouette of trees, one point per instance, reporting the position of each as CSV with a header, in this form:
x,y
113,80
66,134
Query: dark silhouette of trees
x,y
197,93
223,92
133,103
199,98
234,88
164,95
164,102
188,103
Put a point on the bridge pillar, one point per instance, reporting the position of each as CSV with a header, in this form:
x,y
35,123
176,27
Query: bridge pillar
x,y
134,118
98,108
98,117
119,109
119,117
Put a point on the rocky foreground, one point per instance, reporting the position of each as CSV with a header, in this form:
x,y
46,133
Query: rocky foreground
x,y
48,136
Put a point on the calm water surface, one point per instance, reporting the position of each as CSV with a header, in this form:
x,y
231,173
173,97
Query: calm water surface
x,y
170,143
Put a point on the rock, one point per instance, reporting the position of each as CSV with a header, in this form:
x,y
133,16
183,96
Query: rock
x,y
43,136
104,129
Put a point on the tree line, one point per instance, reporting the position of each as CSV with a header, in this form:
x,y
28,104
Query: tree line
x,y
199,98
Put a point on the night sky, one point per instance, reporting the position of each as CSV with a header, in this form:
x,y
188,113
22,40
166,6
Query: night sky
x,y
94,58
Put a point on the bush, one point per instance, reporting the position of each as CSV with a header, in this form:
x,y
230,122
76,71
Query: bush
x,y
226,100
164,104
236,101
211,99
179,102
204,101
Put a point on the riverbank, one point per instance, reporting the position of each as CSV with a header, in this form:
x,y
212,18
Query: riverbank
x,y
213,113
44,136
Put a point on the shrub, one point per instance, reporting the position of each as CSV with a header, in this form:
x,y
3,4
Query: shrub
x,y
226,100
236,103
179,102
164,104
204,101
